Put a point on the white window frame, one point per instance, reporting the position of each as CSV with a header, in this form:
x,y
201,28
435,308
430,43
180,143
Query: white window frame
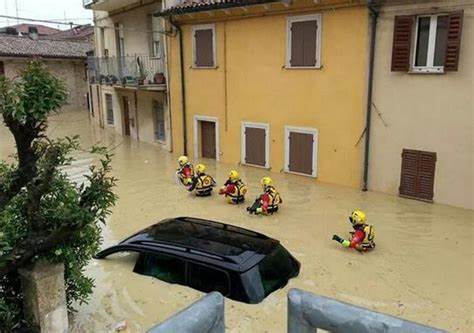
x,y
302,18
195,28
266,127
107,110
156,40
429,68
305,130
197,119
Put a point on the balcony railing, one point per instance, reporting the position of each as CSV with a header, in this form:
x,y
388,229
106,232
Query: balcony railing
x,y
86,3
134,70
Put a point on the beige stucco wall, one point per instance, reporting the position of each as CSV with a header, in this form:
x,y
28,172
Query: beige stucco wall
x,y
425,112
136,29
142,119
71,71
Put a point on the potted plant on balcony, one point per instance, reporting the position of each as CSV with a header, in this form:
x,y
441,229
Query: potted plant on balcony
x,y
159,78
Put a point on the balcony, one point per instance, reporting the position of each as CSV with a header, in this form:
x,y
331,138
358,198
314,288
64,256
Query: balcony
x,y
139,71
107,5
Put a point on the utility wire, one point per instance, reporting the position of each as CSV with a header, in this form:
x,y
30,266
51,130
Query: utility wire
x,y
36,20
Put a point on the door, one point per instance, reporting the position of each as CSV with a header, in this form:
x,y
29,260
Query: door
x,y
208,139
417,174
255,146
126,116
301,152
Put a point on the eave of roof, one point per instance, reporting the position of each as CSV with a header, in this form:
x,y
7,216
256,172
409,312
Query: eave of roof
x,y
193,7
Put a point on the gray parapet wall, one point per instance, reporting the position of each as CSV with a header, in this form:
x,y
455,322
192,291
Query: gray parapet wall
x,y
308,312
204,316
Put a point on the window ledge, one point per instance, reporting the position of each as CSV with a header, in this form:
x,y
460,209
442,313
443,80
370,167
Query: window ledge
x,y
202,67
301,67
427,70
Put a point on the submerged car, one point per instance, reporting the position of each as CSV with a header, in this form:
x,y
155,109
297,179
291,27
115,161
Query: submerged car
x,y
210,256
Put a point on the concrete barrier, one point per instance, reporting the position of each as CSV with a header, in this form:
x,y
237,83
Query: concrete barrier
x,y
204,316
308,312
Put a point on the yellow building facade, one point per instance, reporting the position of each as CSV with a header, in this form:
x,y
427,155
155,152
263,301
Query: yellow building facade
x,y
252,86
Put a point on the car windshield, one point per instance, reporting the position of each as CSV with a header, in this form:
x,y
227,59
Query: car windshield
x,y
275,270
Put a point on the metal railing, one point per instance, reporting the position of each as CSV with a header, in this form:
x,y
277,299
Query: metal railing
x,y
308,312
86,3
126,70
204,316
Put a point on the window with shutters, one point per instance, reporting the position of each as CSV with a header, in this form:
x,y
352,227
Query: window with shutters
x,y
304,41
255,144
417,174
204,46
427,43
301,150
110,109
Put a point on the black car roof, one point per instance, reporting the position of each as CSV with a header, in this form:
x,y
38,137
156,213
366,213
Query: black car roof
x,y
215,243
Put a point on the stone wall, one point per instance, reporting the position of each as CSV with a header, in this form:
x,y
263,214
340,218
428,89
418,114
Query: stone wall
x,y
70,70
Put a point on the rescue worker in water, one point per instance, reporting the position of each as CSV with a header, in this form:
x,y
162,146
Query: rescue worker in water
x,y
269,201
363,236
185,171
234,189
202,183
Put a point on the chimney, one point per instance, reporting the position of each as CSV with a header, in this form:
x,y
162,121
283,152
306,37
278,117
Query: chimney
x,y
33,33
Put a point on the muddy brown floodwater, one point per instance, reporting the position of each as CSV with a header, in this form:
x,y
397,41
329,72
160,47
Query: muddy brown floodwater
x,y
422,268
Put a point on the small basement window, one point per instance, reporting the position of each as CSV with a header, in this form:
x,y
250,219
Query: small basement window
x,y
304,41
204,46
431,39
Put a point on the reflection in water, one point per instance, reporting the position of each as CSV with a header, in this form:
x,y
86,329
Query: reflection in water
x,y
422,268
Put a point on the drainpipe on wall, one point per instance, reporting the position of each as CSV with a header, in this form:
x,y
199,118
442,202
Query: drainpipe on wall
x,y
374,14
183,92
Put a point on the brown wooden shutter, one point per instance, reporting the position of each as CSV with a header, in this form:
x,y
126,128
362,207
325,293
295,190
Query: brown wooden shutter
x,y
417,174
453,46
301,153
204,48
255,149
426,173
208,139
303,43
409,173
402,36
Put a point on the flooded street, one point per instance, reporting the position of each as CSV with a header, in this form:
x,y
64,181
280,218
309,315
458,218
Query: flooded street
x,y
421,270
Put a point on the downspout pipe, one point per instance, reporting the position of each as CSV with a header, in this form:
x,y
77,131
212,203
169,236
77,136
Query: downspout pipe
x,y
374,14
183,91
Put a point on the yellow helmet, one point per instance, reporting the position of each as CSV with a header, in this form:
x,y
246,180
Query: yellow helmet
x,y
182,160
266,181
357,217
234,175
200,168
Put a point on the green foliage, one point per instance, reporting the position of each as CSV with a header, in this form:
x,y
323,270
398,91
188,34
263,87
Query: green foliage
x,y
49,204
33,96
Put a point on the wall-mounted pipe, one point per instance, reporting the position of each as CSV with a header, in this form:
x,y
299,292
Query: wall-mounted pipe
x,y
374,14
183,91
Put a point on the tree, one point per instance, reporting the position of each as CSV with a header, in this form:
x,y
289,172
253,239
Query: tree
x,y
43,216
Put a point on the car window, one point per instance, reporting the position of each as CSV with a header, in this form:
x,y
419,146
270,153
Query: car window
x,y
163,267
207,279
275,270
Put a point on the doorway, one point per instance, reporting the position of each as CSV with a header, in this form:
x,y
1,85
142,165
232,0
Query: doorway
x,y
206,137
126,116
